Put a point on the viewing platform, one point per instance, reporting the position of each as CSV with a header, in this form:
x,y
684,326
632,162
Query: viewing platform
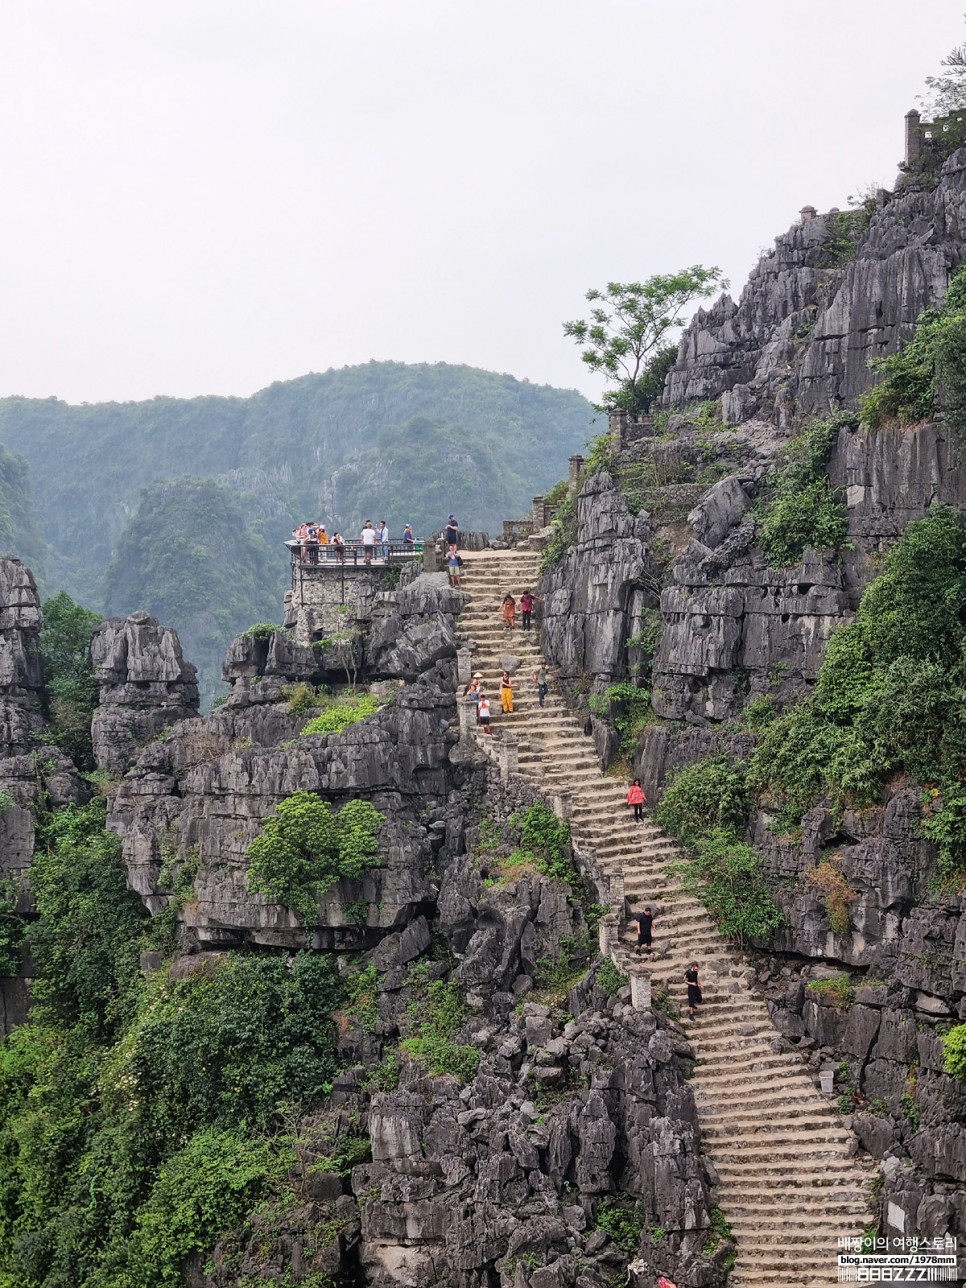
x,y
329,558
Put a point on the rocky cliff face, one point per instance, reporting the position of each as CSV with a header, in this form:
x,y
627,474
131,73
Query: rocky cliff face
x,y
733,629
800,337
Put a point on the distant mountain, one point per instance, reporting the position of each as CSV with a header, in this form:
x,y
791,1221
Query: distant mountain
x,y
180,506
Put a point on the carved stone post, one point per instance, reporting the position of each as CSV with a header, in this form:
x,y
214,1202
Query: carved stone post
x,y
467,719
430,558
574,465
563,806
617,902
607,934
640,988
509,756
913,140
539,514
464,665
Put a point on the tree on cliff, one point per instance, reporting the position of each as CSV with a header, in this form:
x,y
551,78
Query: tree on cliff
x,y
947,92
626,335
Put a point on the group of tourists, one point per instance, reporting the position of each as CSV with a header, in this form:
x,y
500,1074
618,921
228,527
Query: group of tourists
x,y
508,610
315,543
476,693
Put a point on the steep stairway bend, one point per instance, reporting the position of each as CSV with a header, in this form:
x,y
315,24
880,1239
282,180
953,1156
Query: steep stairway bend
x,y
788,1184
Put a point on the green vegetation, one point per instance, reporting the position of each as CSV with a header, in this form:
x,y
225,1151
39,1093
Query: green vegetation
x,y
624,1222
205,555
12,926
340,712
627,336
19,532
931,368
138,1117
889,696
434,1016
564,533
632,716
610,979
546,840
838,990
304,849
836,892
804,512
721,1233
843,231
70,693
954,1052
705,805
705,796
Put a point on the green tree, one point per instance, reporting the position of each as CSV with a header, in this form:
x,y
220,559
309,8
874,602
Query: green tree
x,y
947,91
70,693
626,336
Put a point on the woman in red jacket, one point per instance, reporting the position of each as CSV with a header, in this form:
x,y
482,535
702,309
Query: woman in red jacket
x,y
636,797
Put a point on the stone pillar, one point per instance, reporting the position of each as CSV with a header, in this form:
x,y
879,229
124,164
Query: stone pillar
x,y
563,806
430,557
913,157
617,894
808,213
467,718
539,514
607,934
509,756
574,465
464,665
640,988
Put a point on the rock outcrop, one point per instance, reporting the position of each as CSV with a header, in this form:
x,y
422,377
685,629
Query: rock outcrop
x,y
145,686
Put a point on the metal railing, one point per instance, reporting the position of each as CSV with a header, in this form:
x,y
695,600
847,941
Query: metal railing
x,y
353,554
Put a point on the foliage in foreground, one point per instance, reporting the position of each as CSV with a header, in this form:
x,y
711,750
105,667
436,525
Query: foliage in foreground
x,y
339,713
304,849
138,1118
954,1052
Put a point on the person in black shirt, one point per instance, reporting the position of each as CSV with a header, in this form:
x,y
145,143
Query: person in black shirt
x,y
645,921
694,989
452,531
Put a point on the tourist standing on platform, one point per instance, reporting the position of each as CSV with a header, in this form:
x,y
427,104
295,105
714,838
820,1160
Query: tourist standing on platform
x,y
338,543
301,535
384,538
323,536
454,565
509,609
452,532
408,538
506,693
312,544
368,538
484,710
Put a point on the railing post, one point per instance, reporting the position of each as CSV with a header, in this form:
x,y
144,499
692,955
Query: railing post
x,y
563,804
509,756
464,663
467,719
640,987
607,934
617,894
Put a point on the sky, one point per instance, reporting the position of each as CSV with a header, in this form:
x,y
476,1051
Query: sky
x,y
206,196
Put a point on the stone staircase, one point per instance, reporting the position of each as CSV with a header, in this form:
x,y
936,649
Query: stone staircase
x,y
788,1183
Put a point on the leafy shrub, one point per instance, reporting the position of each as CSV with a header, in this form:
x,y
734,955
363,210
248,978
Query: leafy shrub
x,y
633,713
624,1222
804,513
200,1193
70,691
727,876
300,698
837,894
435,1016
954,1052
838,990
340,713
563,533
932,364
705,796
843,231
890,694
720,1234
304,850
85,941
547,838
263,631
610,979
12,927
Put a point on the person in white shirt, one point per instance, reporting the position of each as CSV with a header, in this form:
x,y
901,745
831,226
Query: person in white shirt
x,y
384,538
368,539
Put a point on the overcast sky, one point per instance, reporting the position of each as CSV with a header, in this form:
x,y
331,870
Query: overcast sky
x,y
204,196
